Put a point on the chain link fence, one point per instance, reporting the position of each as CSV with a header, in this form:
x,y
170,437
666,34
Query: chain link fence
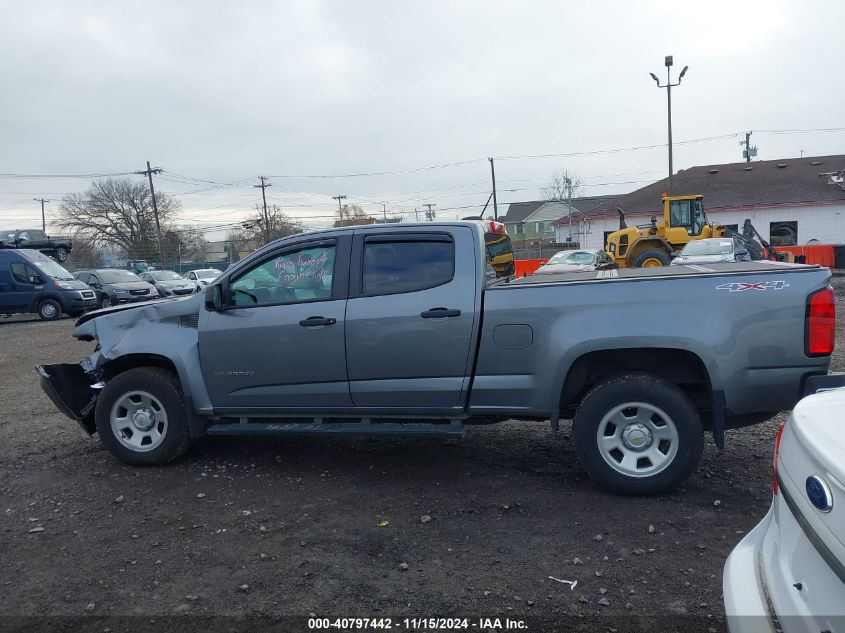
x,y
541,251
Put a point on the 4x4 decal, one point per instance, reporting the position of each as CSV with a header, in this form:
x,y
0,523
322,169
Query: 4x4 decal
x,y
740,286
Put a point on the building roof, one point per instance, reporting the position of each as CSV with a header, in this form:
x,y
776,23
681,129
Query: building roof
x,y
762,183
518,211
521,211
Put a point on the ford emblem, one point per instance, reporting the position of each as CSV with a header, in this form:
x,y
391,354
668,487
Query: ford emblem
x,y
818,492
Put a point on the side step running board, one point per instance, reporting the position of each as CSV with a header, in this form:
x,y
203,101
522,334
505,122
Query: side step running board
x,y
366,427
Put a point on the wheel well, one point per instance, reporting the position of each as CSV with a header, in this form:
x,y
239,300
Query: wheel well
x,y
130,361
680,367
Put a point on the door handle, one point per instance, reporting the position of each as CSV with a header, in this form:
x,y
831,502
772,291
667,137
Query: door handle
x,y
314,321
440,313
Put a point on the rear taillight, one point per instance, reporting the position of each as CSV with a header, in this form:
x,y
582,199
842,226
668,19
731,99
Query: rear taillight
x,y
775,460
820,323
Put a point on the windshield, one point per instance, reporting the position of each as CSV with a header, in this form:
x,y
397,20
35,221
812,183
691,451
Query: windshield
x,y
166,275
207,274
497,244
117,276
708,247
52,269
573,257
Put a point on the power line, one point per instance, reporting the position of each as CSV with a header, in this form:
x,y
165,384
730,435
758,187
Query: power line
x,y
122,173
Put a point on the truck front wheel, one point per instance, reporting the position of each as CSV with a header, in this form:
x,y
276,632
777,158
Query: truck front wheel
x,y
638,434
141,418
652,258
49,310
61,254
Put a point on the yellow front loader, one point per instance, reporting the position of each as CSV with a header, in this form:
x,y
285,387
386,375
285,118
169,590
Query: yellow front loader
x,y
684,220
649,245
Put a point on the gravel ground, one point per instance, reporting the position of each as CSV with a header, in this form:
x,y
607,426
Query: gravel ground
x,y
273,528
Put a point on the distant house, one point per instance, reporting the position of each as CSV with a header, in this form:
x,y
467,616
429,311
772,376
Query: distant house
x,y
535,221
793,201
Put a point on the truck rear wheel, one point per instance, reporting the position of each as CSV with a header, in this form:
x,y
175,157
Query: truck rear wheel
x,y
651,258
61,254
141,418
638,434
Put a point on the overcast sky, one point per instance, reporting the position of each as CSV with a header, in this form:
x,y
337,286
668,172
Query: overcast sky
x,y
224,92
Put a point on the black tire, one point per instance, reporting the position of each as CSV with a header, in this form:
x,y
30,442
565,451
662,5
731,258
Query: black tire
x,y
61,254
49,310
164,386
651,391
651,255
105,302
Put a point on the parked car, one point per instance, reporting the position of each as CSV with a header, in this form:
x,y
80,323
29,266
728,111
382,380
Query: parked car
x,y
203,276
138,266
58,247
790,569
169,283
712,250
32,283
577,261
398,330
114,286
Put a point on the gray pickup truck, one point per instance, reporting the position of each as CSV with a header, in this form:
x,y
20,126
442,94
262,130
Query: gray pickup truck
x,y
407,330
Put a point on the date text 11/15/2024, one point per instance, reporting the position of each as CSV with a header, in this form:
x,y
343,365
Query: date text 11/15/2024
x,y
417,624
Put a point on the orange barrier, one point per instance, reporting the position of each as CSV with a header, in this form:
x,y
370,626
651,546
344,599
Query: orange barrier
x,y
821,254
524,267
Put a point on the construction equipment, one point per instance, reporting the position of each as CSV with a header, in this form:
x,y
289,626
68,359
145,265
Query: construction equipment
x,y
651,245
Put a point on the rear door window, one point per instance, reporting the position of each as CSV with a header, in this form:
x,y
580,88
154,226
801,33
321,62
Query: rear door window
x,y
396,266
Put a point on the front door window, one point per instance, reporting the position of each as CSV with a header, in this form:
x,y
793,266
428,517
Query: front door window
x,y
293,277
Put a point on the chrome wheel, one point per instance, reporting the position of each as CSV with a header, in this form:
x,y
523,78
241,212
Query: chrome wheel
x,y
637,439
48,310
105,302
139,421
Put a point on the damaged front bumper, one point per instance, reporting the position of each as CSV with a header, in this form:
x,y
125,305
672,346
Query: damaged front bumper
x,y
69,387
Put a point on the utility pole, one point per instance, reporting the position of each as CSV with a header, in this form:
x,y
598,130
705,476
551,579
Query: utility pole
x,y
430,215
669,85
43,219
340,207
148,172
495,203
384,211
749,151
416,214
263,186
568,182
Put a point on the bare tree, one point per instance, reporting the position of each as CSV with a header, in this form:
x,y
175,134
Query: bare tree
x,y
84,254
117,213
557,189
258,230
184,243
353,215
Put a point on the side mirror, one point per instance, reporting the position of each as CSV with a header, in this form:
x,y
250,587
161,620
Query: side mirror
x,y
214,297
674,255
36,279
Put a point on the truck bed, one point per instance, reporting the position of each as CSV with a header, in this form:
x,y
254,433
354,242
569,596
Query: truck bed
x,y
667,272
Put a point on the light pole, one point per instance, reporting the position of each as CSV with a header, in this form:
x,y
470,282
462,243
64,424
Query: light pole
x,y
669,85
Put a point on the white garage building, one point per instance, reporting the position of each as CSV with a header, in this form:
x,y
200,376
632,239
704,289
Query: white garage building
x,y
793,201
